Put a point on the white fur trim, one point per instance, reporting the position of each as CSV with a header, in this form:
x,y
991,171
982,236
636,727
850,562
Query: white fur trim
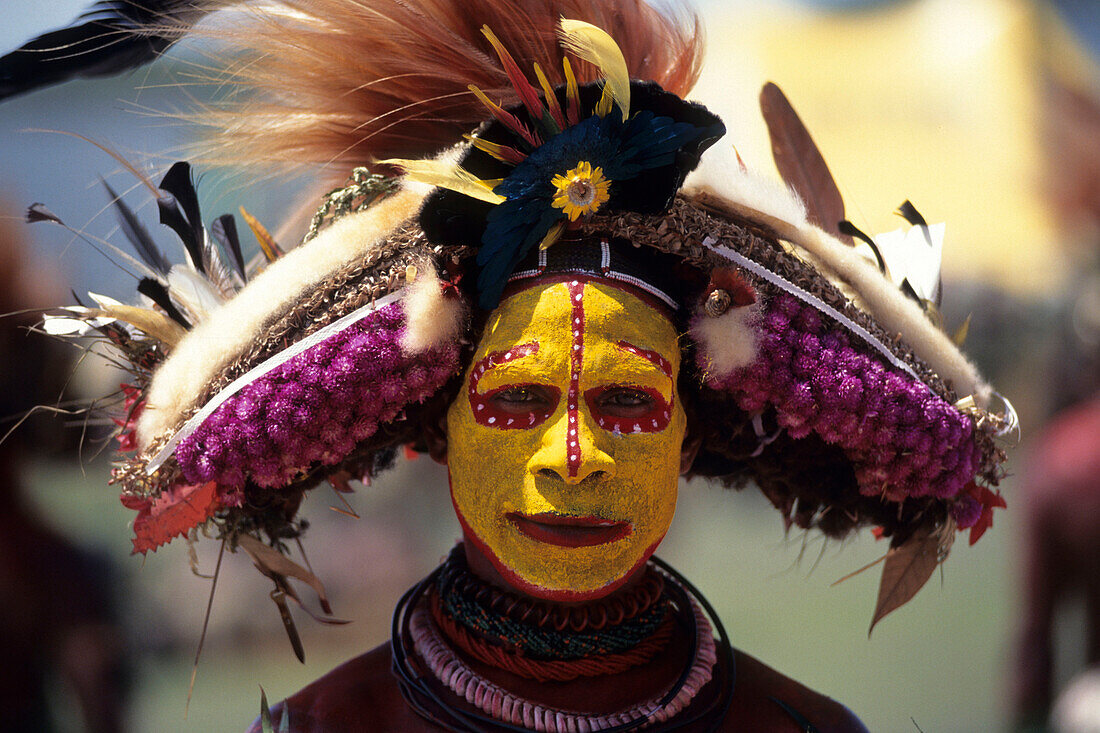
x,y
213,344
729,341
432,319
769,198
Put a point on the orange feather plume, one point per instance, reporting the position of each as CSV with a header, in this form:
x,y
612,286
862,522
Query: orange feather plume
x,y
339,83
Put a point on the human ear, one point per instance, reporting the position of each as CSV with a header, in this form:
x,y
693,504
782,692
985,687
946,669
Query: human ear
x,y
693,441
433,428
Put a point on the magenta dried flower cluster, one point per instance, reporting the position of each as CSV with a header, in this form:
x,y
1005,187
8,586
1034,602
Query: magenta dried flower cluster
x,y
902,439
316,407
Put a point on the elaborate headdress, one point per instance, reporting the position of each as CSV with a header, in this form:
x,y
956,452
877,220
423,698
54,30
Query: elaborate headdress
x,y
813,369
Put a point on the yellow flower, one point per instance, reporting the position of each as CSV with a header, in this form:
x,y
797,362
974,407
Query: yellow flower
x,y
581,191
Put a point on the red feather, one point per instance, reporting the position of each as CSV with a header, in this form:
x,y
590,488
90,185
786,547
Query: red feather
x,y
526,91
172,514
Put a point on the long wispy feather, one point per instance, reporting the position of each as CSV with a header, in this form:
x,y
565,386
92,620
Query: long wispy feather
x,y
119,157
337,82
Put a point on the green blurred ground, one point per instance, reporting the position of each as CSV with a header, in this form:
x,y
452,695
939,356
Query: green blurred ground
x,y
938,663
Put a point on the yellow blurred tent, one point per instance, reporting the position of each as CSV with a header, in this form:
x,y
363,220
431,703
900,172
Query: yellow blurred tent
x,y
936,101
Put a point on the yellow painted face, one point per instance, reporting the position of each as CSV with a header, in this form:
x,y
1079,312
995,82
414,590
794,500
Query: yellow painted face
x,y
564,445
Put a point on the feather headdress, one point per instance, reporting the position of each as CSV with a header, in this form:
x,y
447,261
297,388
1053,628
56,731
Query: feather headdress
x,y
320,365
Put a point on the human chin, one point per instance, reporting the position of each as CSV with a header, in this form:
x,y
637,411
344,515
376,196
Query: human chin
x,y
563,558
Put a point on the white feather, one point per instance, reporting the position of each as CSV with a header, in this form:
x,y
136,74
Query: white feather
x,y
193,292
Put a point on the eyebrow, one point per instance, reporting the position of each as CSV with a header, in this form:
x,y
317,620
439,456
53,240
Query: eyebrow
x,y
649,355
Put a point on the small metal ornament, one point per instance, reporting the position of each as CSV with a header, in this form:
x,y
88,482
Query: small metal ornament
x,y
718,302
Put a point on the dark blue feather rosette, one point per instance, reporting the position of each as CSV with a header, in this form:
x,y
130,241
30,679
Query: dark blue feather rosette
x,y
645,158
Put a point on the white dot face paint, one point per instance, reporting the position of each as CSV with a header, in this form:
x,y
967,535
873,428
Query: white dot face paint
x,y
564,450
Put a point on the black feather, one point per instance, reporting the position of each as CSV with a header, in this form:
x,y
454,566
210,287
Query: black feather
x,y
107,39
38,212
143,244
181,211
907,288
158,293
911,215
224,229
847,227
173,218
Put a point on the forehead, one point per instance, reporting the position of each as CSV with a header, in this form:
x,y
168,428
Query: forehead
x,y
548,314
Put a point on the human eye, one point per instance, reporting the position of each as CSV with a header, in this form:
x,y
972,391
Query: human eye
x,y
523,399
625,402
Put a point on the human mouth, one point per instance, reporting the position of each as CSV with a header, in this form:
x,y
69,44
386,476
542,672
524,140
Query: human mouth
x,y
568,531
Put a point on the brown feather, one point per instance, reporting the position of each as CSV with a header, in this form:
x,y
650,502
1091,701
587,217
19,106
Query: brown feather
x,y
909,565
800,163
339,83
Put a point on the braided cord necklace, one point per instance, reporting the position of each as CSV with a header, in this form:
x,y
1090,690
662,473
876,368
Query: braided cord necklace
x,y
550,642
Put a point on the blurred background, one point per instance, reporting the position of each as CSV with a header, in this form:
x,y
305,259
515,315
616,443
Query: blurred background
x,y
984,113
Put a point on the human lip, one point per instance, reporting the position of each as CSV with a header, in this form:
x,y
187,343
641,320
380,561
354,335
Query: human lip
x,y
569,531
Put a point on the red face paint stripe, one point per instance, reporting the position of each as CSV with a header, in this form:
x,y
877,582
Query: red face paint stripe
x,y
653,420
481,404
652,357
576,357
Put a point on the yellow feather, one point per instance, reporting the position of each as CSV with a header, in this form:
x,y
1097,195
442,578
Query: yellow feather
x,y
553,235
267,242
152,323
603,107
551,98
492,148
447,175
596,46
572,91
493,106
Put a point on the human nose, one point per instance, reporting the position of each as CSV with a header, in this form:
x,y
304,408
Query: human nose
x,y
570,451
